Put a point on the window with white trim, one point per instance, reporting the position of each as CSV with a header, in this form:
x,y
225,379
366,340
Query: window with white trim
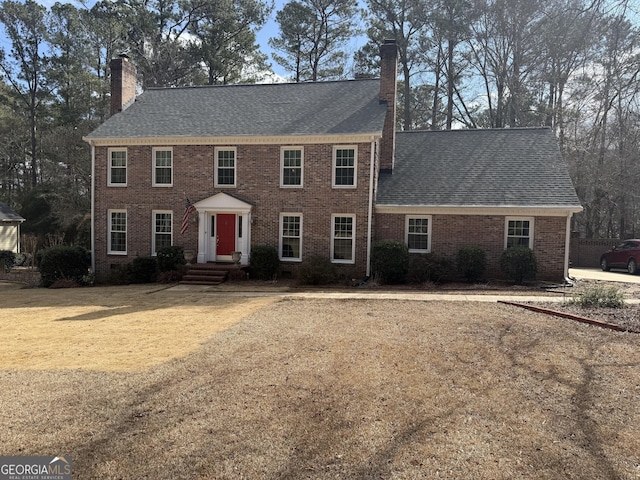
x,y
343,234
162,167
117,220
225,167
418,233
291,167
518,232
290,236
162,230
344,167
117,167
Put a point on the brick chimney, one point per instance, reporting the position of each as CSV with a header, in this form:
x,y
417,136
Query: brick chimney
x,y
388,86
123,83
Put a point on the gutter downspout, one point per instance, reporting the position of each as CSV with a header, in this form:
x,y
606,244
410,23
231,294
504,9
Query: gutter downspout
x,y
567,246
370,212
93,208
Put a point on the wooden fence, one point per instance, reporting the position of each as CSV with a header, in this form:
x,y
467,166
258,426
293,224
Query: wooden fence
x,y
585,252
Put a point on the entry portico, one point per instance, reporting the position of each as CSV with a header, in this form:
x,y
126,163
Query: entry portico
x,y
224,227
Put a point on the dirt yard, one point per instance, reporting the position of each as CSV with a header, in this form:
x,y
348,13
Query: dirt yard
x,y
137,382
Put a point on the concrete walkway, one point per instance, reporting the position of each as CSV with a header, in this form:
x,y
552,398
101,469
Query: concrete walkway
x,y
559,296
365,294
397,295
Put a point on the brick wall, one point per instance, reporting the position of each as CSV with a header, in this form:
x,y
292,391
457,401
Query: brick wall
x,y
258,182
451,232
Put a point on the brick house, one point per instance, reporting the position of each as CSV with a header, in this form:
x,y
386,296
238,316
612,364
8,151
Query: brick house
x,y
315,169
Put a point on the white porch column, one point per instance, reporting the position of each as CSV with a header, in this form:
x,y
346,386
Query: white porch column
x,y
244,245
203,234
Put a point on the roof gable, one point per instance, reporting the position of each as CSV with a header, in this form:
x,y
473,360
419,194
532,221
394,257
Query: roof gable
x,y
222,202
320,108
478,168
7,214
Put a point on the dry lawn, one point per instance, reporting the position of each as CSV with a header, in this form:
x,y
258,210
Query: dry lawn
x,y
294,389
119,328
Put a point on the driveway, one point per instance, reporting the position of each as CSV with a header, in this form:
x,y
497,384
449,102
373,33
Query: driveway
x,y
598,274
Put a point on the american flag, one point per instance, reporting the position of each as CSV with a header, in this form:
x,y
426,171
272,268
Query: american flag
x,y
188,208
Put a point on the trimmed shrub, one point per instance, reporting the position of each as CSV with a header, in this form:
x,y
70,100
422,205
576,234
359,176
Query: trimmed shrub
x,y
170,258
264,262
22,259
390,262
7,260
317,270
144,270
599,296
429,267
519,264
63,263
472,263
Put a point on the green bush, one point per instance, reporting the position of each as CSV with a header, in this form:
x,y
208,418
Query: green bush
x,y
144,270
472,263
7,260
264,262
170,258
22,259
317,270
599,297
390,262
519,264
429,267
63,263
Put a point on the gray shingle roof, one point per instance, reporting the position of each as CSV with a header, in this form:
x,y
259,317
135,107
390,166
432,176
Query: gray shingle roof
x,y
7,214
344,107
474,168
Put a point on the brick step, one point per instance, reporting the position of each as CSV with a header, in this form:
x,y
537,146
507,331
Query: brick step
x,y
203,274
206,272
201,282
194,278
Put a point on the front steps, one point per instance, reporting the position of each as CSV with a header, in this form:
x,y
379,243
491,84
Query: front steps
x,y
208,273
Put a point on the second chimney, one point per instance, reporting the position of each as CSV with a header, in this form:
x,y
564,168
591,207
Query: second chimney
x,y
123,83
388,87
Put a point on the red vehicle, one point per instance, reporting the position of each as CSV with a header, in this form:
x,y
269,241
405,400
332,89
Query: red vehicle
x,y
626,256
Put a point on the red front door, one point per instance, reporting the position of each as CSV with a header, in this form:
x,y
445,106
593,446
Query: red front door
x,y
226,232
